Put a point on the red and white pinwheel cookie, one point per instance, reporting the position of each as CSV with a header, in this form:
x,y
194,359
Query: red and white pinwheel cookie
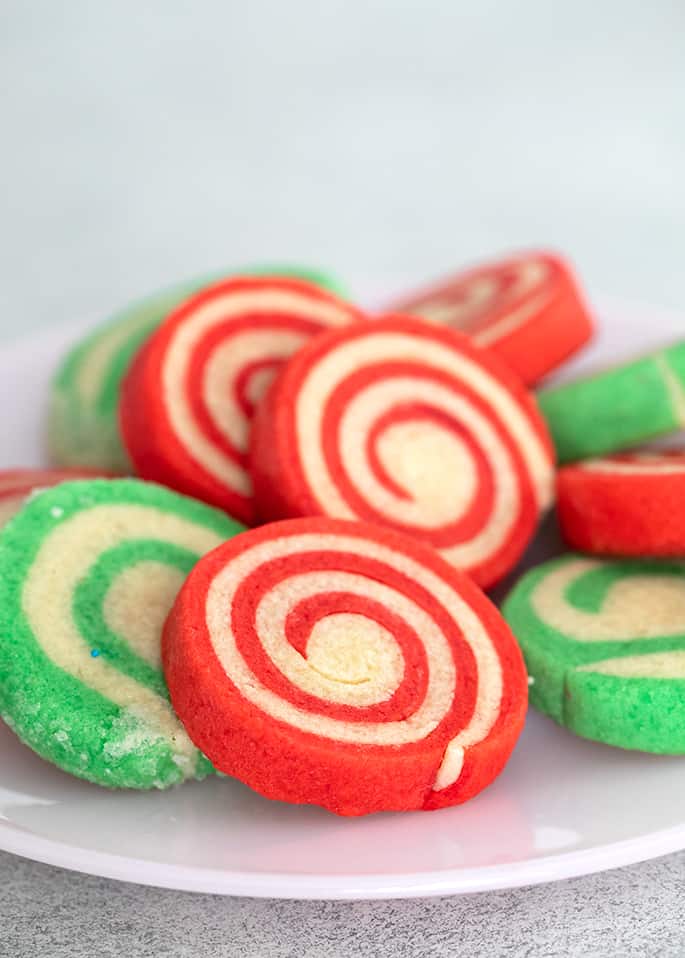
x,y
188,398
17,484
410,425
343,665
527,309
632,504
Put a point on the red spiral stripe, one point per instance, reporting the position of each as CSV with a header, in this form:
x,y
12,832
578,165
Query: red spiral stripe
x,y
631,504
409,425
188,399
343,665
527,309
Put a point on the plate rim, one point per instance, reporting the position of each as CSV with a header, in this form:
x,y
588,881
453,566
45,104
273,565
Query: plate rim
x,y
346,887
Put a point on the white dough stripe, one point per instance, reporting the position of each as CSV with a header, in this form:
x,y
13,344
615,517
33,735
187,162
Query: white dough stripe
x,y
644,603
434,462
268,339
638,464
371,665
518,290
74,546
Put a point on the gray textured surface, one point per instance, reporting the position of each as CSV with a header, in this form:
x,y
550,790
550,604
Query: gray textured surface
x,y
390,139
635,911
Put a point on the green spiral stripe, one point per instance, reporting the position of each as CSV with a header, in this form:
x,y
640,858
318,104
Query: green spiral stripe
x,y
90,595
611,664
71,686
82,423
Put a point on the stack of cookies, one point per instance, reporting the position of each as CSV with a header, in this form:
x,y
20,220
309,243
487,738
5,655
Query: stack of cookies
x,y
263,544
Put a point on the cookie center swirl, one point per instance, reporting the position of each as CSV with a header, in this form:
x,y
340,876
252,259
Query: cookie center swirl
x,y
631,605
622,618
353,650
345,657
137,603
457,448
419,454
86,554
348,652
409,432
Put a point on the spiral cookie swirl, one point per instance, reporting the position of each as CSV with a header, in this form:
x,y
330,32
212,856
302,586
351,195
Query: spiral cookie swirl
x,y
17,484
604,642
527,309
343,665
83,428
88,573
188,399
625,505
412,426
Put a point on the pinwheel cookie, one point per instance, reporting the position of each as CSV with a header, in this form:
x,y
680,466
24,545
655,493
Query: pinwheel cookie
x,y
88,573
187,401
410,425
340,664
17,484
527,309
631,504
604,642
619,407
83,429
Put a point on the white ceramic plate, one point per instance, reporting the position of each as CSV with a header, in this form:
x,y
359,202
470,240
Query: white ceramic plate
x,y
562,807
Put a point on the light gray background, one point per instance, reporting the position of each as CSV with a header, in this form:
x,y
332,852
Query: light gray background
x,y
390,140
